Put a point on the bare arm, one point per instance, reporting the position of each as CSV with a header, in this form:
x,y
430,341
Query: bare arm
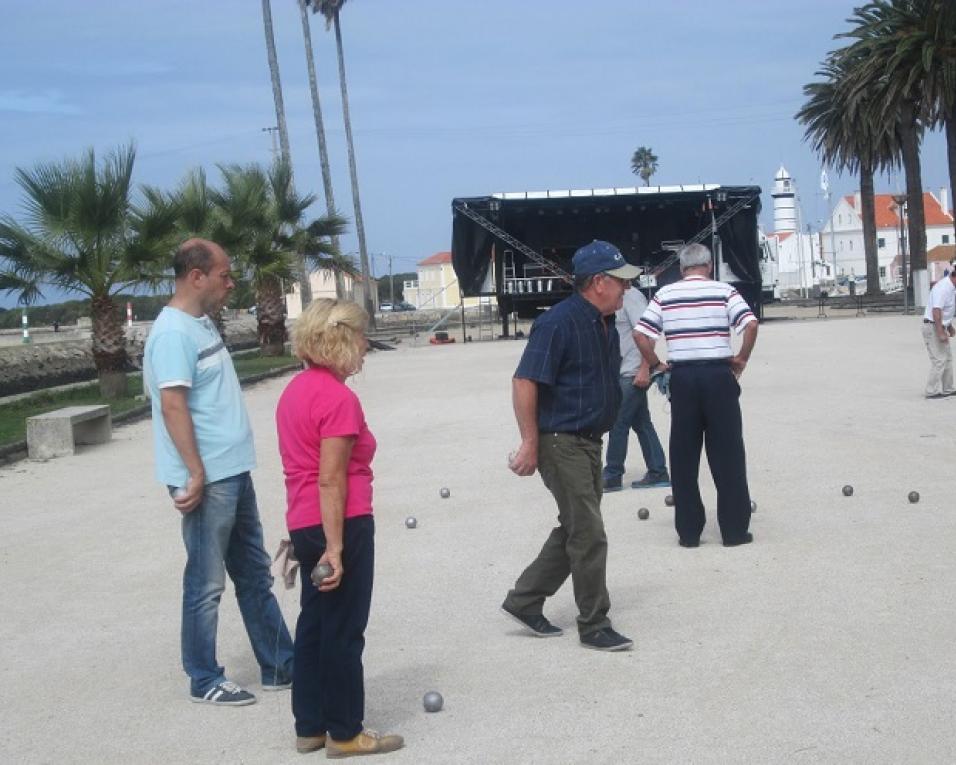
x,y
524,397
651,361
179,424
333,491
941,332
738,362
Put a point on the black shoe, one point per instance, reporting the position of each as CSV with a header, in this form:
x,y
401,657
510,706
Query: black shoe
x,y
689,542
606,640
612,484
652,481
746,539
538,624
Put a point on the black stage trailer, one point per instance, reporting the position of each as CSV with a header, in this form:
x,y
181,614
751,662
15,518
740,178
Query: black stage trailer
x,y
517,247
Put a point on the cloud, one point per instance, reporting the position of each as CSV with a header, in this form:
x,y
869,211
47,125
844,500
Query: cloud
x,y
41,102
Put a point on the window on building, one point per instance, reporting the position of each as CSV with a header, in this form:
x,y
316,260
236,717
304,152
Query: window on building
x,y
851,245
841,245
882,272
945,238
839,219
881,242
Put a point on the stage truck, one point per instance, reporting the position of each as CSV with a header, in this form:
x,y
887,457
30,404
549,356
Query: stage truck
x,y
517,246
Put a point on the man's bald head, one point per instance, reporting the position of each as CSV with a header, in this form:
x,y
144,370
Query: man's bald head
x,y
195,253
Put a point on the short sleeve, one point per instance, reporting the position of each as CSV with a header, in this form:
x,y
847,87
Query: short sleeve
x,y
651,322
542,355
173,357
340,418
738,312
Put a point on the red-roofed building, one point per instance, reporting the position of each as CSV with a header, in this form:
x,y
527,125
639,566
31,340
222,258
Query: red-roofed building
x,y
847,225
437,284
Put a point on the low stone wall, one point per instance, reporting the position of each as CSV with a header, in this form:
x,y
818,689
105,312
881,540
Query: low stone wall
x,y
25,368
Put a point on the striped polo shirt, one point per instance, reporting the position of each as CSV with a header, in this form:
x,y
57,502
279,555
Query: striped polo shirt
x,y
695,316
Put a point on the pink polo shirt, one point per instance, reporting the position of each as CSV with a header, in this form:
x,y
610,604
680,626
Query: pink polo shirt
x,y
317,405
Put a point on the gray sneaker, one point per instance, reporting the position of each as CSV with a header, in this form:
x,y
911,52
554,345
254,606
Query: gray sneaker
x,y
652,481
225,694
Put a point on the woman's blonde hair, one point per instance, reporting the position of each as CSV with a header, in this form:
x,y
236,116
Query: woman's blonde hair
x,y
328,333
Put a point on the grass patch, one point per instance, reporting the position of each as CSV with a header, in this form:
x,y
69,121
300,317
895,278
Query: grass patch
x,y
13,415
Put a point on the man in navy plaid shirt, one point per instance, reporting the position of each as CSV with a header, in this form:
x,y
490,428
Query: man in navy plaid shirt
x,y
566,394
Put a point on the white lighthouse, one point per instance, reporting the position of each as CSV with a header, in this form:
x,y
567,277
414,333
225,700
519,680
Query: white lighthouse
x,y
784,202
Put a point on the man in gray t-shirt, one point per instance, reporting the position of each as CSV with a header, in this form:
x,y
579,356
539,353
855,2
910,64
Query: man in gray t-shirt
x,y
634,412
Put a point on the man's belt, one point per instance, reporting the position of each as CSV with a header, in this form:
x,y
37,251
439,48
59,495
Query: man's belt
x,y
589,435
700,362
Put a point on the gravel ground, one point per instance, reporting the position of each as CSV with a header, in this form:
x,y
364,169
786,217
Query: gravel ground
x,y
824,641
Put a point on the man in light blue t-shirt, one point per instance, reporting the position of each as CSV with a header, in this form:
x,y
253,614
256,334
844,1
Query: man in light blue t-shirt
x,y
204,452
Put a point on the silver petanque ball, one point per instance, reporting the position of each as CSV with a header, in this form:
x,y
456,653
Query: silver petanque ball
x,y
445,492
320,572
848,491
669,500
643,513
753,506
913,497
410,522
433,701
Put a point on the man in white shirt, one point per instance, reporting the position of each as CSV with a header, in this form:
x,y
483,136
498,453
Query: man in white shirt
x,y
937,330
634,412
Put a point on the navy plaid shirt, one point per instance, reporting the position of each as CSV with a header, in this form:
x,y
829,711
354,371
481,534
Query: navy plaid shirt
x,y
574,355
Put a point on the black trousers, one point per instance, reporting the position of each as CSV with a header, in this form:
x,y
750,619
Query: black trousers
x,y
705,410
328,680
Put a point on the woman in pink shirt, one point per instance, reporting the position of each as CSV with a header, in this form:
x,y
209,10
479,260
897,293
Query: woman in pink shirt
x,y
327,451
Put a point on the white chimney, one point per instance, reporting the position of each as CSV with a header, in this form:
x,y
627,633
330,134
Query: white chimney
x,y
944,199
858,202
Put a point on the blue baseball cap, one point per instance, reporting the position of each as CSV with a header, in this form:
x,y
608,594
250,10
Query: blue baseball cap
x,y
602,258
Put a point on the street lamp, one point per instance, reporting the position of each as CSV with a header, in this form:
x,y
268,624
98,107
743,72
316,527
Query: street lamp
x,y
900,200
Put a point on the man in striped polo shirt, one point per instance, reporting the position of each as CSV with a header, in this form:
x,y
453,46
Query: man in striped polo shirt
x,y
695,316
566,395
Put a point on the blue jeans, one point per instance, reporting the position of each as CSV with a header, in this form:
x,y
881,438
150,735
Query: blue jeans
x,y
635,414
224,534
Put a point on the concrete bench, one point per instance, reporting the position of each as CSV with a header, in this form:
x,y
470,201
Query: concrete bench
x,y
56,433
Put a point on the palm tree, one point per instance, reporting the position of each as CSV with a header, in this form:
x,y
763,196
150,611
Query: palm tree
x,y
260,215
330,10
850,139
886,58
644,164
305,286
82,233
319,126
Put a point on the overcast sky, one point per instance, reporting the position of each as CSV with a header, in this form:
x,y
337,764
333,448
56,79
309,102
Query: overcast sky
x,y
448,97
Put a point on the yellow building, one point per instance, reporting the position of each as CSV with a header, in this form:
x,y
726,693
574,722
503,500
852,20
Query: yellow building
x,y
437,285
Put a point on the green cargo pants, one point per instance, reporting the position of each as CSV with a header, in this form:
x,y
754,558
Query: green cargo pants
x,y
570,467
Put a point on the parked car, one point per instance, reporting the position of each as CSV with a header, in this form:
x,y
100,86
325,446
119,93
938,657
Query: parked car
x,y
403,306
383,307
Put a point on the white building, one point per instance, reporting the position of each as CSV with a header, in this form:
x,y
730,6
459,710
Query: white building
x,y
323,286
846,223
437,285
799,265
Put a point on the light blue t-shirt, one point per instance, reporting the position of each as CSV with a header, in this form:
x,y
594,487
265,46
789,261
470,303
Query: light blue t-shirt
x,y
182,350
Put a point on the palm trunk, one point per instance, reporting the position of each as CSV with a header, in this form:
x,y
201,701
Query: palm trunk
x,y
305,287
868,213
359,225
270,317
109,346
916,217
951,156
317,113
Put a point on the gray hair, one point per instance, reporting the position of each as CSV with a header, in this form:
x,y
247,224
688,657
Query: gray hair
x,y
693,255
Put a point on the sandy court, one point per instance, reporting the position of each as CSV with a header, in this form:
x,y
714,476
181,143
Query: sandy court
x,y
828,640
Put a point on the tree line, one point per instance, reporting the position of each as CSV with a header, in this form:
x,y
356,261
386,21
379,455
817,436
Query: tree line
x,y
876,96
87,229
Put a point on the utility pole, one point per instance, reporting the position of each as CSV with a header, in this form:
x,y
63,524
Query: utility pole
x,y
274,132
391,282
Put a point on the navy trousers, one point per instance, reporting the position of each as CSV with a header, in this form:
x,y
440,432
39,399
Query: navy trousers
x,y
705,411
328,680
